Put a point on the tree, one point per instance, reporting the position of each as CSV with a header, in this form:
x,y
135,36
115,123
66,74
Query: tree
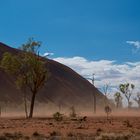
x,y
94,95
105,91
73,112
127,90
118,99
28,68
137,99
107,111
107,107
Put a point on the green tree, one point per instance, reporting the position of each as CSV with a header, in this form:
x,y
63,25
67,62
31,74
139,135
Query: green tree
x,y
28,68
118,99
127,90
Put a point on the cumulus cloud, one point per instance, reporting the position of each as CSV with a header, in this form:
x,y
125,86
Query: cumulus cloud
x,y
136,44
105,71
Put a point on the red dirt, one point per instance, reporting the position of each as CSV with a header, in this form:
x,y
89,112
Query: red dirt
x,y
91,126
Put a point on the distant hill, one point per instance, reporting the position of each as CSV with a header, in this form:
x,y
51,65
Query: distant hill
x,y
64,86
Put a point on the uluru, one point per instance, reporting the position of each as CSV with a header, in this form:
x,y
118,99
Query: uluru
x,y
64,86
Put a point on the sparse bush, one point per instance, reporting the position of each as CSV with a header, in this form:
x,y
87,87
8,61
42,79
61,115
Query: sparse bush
x,y
127,123
98,131
83,119
36,134
58,116
70,134
55,133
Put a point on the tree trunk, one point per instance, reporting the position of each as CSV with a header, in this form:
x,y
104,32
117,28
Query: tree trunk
x,y
117,105
139,105
128,104
94,98
0,111
107,116
32,104
25,105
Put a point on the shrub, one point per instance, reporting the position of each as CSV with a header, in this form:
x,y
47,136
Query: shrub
x,y
55,133
127,123
58,116
36,134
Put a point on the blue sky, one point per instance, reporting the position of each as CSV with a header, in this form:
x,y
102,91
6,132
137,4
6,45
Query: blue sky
x,y
93,29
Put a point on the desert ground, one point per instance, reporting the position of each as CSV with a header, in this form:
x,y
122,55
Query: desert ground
x,y
92,128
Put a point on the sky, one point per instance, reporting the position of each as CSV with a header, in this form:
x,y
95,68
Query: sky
x,y
90,36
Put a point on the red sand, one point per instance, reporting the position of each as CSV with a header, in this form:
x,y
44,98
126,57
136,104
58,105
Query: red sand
x,y
90,126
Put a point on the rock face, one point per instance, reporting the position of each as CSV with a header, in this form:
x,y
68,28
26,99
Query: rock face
x,y
64,86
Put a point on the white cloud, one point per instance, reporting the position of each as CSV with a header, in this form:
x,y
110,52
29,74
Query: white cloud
x,y
136,44
106,71
47,54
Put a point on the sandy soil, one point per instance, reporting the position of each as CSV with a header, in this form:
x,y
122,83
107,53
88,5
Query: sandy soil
x,y
93,126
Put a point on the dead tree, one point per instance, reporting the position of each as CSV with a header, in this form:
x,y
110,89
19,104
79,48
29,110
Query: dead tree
x,y
94,95
105,91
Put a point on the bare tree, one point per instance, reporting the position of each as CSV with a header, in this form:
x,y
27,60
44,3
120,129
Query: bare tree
x,y
105,91
94,94
127,91
107,107
73,112
137,99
